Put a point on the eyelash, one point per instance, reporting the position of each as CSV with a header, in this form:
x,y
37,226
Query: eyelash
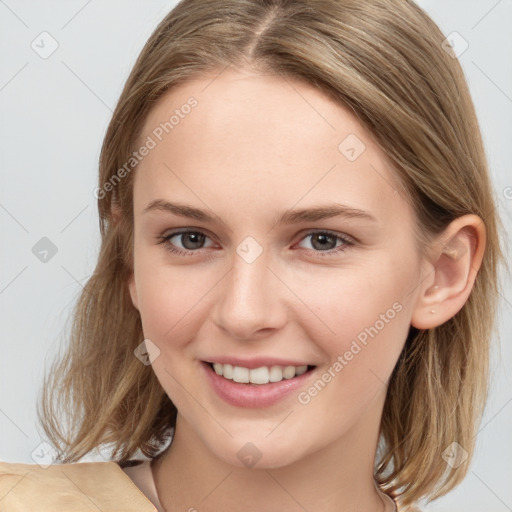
x,y
347,242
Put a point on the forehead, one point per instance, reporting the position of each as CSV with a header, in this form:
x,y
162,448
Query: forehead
x,y
253,137
236,106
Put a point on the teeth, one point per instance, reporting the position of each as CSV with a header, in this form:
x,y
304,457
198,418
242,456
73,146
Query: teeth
x,y
289,372
240,374
227,371
276,374
262,375
301,369
259,375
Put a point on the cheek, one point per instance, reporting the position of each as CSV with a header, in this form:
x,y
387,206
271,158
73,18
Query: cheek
x,y
170,300
370,320
366,307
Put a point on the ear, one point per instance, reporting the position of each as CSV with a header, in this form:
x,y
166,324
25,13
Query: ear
x,y
456,256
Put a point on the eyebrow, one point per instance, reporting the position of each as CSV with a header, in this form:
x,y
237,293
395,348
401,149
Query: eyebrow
x,y
287,217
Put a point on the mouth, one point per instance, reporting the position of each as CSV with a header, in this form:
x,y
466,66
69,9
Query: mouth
x,y
258,387
261,376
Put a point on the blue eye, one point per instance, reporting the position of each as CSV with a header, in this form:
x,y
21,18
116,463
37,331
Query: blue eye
x,y
323,243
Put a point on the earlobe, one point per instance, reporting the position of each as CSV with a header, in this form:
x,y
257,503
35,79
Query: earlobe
x,y
456,258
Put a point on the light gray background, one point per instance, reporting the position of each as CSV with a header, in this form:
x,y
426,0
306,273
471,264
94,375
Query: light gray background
x,y
54,113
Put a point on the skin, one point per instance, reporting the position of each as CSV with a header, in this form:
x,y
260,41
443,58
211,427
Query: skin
x,y
255,146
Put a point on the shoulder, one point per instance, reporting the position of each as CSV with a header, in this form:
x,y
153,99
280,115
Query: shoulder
x,y
73,487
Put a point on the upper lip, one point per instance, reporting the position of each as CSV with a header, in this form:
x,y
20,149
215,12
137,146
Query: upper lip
x,y
255,362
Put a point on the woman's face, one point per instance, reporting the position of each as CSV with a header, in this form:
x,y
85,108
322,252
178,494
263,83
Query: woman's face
x,y
269,233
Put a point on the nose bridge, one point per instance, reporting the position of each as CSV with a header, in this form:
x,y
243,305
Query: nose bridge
x,y
250,299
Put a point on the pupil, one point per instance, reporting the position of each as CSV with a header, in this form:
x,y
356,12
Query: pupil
x,y
197,240
325,240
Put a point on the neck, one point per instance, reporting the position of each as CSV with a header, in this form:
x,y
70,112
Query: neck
x,y
338,477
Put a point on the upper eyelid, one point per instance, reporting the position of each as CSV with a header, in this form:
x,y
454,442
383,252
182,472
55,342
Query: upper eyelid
x,y
184,231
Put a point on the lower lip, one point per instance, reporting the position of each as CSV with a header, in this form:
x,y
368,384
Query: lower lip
x,y
253,395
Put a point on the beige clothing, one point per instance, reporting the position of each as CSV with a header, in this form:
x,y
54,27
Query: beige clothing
x,y
79,487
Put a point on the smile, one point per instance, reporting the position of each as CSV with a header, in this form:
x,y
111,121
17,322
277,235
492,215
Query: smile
x,y
261,375
262,386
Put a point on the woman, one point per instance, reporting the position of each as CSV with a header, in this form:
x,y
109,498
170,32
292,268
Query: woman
x,y
297,278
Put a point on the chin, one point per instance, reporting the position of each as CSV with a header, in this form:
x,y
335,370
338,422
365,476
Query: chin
x,y
260,453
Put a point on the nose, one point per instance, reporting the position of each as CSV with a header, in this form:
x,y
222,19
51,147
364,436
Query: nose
x,y
251,300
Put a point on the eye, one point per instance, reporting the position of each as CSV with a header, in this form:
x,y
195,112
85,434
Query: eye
x,y
327,242
190,241
187,242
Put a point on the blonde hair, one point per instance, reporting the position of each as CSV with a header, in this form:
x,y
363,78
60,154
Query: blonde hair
x,y
384,60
